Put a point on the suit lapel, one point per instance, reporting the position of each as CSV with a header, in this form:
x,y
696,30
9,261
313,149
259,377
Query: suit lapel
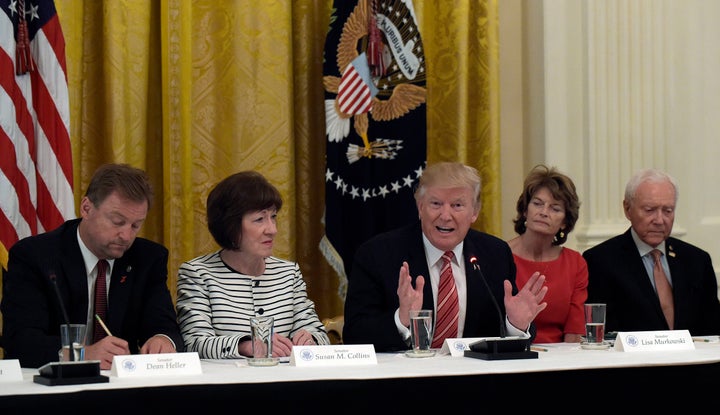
x,y
476,291
672,259
414,254
121,282
72,270
639,274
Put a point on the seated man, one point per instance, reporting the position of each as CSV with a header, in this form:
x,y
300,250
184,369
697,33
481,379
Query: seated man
x,y
134,298
680,292
401,270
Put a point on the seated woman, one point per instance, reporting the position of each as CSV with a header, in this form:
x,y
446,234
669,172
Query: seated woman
x,y
547,210
219,292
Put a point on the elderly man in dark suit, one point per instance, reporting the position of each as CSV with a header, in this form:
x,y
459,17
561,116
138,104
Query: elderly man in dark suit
x,y
139,312
400,270
622,269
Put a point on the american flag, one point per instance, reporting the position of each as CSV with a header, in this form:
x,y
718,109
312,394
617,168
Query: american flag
x,y
36,175
356,89
375,119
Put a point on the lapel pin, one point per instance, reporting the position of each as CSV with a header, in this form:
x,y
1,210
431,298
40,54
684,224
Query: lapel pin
x,y
123,278
128,269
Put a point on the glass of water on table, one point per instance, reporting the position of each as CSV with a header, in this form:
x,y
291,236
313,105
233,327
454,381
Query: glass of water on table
x,y
595,326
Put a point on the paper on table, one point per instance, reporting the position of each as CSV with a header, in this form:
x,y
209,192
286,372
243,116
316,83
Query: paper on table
x,y
706,339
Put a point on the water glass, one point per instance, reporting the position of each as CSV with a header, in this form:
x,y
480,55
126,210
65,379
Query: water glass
x,y
595,323
421,332
261,336
72,337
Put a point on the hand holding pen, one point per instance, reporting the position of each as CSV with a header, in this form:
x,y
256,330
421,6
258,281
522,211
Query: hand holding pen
x,y
105,349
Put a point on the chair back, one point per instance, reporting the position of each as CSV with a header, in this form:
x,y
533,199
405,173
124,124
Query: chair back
x,y
334,328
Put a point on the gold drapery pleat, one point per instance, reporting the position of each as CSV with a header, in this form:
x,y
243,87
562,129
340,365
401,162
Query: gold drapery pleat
x,y
461,49
195,91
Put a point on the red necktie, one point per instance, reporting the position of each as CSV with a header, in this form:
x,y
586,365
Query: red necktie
x,y
100,299
663,288
446,325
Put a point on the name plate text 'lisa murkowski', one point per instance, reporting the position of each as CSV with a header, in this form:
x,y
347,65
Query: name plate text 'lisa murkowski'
x,y
639,341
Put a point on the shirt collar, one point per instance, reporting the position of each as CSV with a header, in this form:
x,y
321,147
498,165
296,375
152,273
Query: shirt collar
x,y
644,248
88,257
433,254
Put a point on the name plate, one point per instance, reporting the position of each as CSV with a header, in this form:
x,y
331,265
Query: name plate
x,y
161,364
333,355
10,371
457,347
638,341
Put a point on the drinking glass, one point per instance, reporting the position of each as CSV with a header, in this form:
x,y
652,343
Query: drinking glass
x,y
261,334
595,323
421,333
72,337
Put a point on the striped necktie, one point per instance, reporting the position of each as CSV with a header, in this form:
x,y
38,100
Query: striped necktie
x,y
663,288
100,300
446,325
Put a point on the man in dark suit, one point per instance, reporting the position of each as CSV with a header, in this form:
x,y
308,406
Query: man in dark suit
x,y
621,268
140,314
382,289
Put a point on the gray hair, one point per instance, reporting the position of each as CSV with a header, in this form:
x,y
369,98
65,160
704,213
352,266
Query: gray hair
x,y
648,175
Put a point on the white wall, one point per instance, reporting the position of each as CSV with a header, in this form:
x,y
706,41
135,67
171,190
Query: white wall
x,y
604,88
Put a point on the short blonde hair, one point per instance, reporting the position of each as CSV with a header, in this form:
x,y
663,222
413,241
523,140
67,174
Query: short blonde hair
x,y
450,174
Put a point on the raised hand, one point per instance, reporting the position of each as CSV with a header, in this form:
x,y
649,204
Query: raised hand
x,y
410,298
523,307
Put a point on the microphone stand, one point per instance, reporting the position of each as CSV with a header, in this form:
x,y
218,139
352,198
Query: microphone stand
x,y
502,348
72,372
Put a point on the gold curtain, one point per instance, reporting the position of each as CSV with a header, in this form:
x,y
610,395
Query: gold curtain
x,y
194,91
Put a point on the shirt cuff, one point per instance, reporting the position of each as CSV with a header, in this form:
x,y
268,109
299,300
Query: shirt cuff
x,y
404,331
514,331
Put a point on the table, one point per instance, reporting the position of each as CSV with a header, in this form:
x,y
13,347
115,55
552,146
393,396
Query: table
x,y
563,375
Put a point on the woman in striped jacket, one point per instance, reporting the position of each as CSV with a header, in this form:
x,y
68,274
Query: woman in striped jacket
x,y
218,293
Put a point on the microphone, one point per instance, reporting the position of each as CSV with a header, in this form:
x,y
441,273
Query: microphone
x,y
53,278
476,267
514,347
72,372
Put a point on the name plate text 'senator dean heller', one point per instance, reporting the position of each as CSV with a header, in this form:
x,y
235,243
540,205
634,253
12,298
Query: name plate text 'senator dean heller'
x,y
161,364
333,355
639,341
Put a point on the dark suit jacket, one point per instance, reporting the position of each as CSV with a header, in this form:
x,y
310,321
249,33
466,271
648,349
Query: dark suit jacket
x,y
139,302
372,297
618,278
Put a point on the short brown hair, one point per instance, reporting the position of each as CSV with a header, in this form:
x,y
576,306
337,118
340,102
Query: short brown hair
x,y
560,186
232,198
130,182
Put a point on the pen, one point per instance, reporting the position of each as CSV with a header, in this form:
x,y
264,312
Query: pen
x,y
538,349
102,323
700,340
